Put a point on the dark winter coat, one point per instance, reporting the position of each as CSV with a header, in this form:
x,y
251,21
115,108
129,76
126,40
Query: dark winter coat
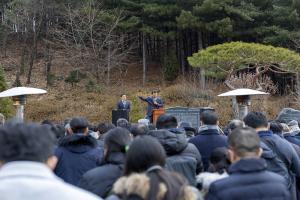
x,y
177,148
292,139
76,155
285,151
101,179
249,180
150,101
206,141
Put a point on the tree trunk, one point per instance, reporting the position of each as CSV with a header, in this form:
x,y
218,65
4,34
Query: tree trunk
x,y
202,71
32,58
182,56
144,59
48,65
108,63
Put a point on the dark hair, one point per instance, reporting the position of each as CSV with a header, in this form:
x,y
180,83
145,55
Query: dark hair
x,y
47,121
173,181
276,127
139,129
256,120
26,142
155,91
166,121
243,141
116,140
104,127
122,94
209,117
79,124
123,123
59,130
151,127
219,160
233,124
144,152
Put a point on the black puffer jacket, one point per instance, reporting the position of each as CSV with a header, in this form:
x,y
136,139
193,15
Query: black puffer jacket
x,y
76,154
101,179
177,147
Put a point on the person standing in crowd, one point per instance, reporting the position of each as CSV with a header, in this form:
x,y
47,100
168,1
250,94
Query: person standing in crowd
x,y
147,156
101,179
154,102
209,137
248,175
183,157
219,163
282,148
77,153
233,124
189,130
123,104
27,161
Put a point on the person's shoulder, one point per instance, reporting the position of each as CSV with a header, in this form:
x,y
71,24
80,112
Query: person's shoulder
x,y
275,177
70,191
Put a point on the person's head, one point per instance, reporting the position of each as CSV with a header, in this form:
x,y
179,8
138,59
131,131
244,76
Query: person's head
x,y
116,140
285,128
104,127
233,124
123,97
276,127
47,121
144,152
123,123
79,125
187,126
138,130
27,142
209,118
59,130
256,120
243,143
293,125
155,93
219,160
166,121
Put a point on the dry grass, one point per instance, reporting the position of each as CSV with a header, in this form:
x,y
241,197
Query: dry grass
x,y
63,101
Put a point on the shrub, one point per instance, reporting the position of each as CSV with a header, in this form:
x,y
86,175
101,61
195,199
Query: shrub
x,y
91,86
75,76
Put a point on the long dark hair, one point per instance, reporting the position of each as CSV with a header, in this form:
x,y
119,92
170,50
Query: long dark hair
x,y
144,152
116,140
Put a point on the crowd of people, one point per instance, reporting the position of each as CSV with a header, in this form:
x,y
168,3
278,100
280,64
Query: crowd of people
x,y
250,159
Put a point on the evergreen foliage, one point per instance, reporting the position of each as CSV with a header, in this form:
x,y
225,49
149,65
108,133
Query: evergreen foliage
x,y
219,60
5,103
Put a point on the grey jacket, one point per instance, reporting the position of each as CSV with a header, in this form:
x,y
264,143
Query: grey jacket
x,y
24,180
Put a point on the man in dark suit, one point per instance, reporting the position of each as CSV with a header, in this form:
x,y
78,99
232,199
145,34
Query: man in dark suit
x,y
154,102
123,104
